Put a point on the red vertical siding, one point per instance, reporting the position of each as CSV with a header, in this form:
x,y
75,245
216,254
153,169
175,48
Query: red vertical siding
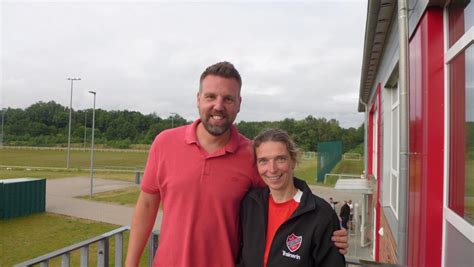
x,y
370,148
426,92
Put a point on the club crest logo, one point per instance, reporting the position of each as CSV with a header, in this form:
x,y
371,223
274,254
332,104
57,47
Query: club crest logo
x,y
293,242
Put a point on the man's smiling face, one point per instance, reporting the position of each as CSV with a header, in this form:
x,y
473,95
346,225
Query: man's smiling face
x,y
218,101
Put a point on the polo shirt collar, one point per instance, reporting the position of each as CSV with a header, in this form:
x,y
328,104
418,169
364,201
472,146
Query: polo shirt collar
x,y
231,146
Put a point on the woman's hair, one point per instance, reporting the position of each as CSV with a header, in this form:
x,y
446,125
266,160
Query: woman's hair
x,y
277,135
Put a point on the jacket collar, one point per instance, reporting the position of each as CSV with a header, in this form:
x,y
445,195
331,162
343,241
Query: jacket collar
x,y
307,201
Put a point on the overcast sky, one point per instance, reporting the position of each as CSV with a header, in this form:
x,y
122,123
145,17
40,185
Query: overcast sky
x,y
296,59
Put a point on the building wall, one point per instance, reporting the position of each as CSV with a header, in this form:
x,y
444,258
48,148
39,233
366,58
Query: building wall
x,y
385,72
388,246
426,137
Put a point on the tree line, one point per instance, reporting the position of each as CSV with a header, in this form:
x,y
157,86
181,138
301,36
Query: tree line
x,y
46,124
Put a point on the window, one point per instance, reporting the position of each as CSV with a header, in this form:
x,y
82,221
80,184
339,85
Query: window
x,y
461,19
461,180
459,204
394,148
460,60
375,142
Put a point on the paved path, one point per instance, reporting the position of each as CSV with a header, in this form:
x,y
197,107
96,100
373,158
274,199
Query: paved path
x,y
355,250
61,193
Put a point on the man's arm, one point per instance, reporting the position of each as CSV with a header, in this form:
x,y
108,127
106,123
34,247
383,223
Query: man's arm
x,y
339,237
142,224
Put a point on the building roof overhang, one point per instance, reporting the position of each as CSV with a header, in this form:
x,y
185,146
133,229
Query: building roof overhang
x,y
380,15
379,18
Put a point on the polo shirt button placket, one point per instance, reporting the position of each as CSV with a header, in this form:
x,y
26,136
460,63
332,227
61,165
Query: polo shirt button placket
x,y
206,172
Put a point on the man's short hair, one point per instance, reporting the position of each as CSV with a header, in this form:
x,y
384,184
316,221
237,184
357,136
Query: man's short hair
x,y
222,69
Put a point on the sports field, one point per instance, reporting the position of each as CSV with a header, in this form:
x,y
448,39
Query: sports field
x,y
49,164
110,164
79,159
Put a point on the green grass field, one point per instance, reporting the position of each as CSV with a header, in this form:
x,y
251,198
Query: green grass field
x,y
349,167
354,167
79,159
52,164
306,170
31,236
6,173
128,196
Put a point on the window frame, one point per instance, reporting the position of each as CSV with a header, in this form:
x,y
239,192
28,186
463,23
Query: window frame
x,y
465,41
394,192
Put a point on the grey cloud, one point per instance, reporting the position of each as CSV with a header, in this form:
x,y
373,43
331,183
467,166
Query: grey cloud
x,y
296,59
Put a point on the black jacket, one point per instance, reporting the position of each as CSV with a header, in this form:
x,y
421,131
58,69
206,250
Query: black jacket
x,y
303,240
345,211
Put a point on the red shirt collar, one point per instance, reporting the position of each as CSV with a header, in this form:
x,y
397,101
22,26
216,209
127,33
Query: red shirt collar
x,y
231,146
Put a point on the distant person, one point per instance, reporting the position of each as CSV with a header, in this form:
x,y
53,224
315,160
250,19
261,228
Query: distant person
x,y
333,203
285,224
344,214
351,213
200,173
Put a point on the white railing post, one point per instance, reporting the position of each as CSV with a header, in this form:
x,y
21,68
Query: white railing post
x,y
44,263
85,256
103,253
65,260
118,250
152,246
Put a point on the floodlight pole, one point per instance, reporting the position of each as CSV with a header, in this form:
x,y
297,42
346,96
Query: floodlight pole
x,y
70,116
172,119
92,146
1,137
85,129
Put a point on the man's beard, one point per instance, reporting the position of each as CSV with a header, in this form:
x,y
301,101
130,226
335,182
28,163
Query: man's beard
x,y
216,130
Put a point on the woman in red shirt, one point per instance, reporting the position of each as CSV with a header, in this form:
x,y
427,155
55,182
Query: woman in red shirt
x,y
284,224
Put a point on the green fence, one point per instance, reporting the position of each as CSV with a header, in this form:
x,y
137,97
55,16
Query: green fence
x,y
22,196
329,154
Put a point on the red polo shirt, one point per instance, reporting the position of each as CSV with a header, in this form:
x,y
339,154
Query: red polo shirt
x,y
201,196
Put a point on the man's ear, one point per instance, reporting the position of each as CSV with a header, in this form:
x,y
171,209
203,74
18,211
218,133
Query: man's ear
x,y
240,103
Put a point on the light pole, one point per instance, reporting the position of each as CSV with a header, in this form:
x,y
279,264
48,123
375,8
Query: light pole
x,y
92,143
172,119
70,115
85,128
3,118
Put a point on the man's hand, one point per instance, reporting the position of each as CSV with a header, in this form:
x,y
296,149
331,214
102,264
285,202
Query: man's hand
x,y
339,238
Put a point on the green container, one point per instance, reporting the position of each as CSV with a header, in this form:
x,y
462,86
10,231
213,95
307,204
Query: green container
x,y
21,197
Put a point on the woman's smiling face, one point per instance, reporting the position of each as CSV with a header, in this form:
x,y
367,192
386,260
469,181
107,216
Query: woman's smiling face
x,y
275,165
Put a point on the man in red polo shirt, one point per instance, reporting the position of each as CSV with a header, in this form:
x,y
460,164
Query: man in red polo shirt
x,y
200,173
